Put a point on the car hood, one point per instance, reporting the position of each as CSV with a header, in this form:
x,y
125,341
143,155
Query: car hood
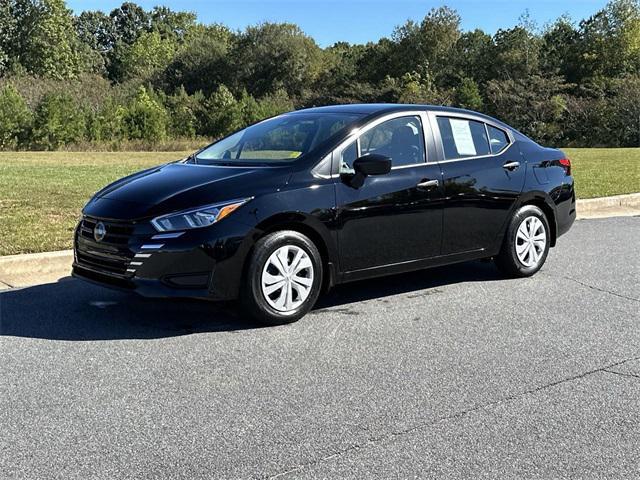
x,y
178,186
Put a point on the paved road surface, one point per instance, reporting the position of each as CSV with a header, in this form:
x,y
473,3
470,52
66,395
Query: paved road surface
x,y
452,372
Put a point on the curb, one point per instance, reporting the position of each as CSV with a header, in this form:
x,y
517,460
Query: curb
x,y
615,206
46,262
631,200
32,268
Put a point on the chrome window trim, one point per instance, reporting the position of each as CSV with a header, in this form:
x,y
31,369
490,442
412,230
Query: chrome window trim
x,y
358,132
477,157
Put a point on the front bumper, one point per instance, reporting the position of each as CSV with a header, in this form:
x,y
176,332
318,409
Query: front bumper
x,y
201,263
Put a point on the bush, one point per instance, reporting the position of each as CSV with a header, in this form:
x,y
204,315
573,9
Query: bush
x,y
146,118
108,123
274,104
182,110
58,121
223,113
468,95
15,119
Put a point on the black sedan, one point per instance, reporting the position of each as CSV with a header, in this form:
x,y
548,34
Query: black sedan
x,y
278,212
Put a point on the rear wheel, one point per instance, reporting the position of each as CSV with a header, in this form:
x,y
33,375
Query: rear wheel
x,y
283,279
526,244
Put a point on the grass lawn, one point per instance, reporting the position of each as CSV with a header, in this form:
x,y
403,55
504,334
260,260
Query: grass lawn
x,y
41,193
601,172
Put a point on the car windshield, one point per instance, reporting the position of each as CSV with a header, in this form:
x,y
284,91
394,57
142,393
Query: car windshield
x,y
280,139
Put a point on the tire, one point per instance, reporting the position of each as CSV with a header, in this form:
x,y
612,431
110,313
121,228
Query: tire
x,y
274,293
523,254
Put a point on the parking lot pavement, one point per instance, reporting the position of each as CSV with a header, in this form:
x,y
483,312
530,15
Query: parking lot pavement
x,y
451,372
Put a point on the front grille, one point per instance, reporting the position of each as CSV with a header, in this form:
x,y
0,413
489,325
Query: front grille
x,y
111,254
117,233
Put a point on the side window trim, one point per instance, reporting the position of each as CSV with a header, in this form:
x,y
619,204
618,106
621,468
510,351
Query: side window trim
x,y
430,155
435,128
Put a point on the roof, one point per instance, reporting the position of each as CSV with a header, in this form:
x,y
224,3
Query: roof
x,y
374,109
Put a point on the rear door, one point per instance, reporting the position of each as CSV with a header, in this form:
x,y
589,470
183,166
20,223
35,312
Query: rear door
x,y
483,175
396,217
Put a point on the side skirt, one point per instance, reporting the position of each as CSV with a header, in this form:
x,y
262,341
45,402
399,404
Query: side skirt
x,y
414,265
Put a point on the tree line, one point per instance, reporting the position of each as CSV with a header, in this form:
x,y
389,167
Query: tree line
x,y
133,75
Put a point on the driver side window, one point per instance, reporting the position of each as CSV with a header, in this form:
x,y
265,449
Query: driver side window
x,y
401,139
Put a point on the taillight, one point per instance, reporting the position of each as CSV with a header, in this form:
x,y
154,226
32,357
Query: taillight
x,y
566,163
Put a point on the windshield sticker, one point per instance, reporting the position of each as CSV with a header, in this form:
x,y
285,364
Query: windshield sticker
x,y
461,131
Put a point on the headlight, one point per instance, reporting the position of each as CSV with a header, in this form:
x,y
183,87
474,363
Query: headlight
x,y
197,217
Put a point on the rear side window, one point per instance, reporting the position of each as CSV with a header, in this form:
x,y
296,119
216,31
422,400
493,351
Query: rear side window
x,y
463,138
498,139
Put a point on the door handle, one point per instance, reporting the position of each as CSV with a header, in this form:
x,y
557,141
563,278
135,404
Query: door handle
x,y
428,184
511,166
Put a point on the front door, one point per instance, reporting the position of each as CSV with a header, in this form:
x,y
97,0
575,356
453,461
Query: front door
x,y
392,218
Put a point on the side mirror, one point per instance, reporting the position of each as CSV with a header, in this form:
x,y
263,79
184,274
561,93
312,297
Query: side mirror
x,y
372,164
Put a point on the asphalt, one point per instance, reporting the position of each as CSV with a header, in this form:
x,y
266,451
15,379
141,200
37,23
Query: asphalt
x,y
448,373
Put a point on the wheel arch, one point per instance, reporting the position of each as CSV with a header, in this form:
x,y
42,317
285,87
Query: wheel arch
x,y
308,226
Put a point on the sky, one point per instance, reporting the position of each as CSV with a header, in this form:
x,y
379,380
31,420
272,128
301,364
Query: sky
x,y
360,21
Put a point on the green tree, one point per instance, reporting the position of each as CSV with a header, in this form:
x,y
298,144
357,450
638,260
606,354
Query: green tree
x,y
559,53
342,78
147,55
414,88
183,113
107,124
51,48
130,21
172,25
471,57
468,95
536,105
146,118
515,54
18,19
274,56
610,40
623,113
8,27
58,121
274,104
223,113
202,63
15,119
428,45
96,33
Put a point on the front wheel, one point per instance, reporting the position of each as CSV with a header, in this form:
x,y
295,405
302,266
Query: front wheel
x,y
283,280
526,244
